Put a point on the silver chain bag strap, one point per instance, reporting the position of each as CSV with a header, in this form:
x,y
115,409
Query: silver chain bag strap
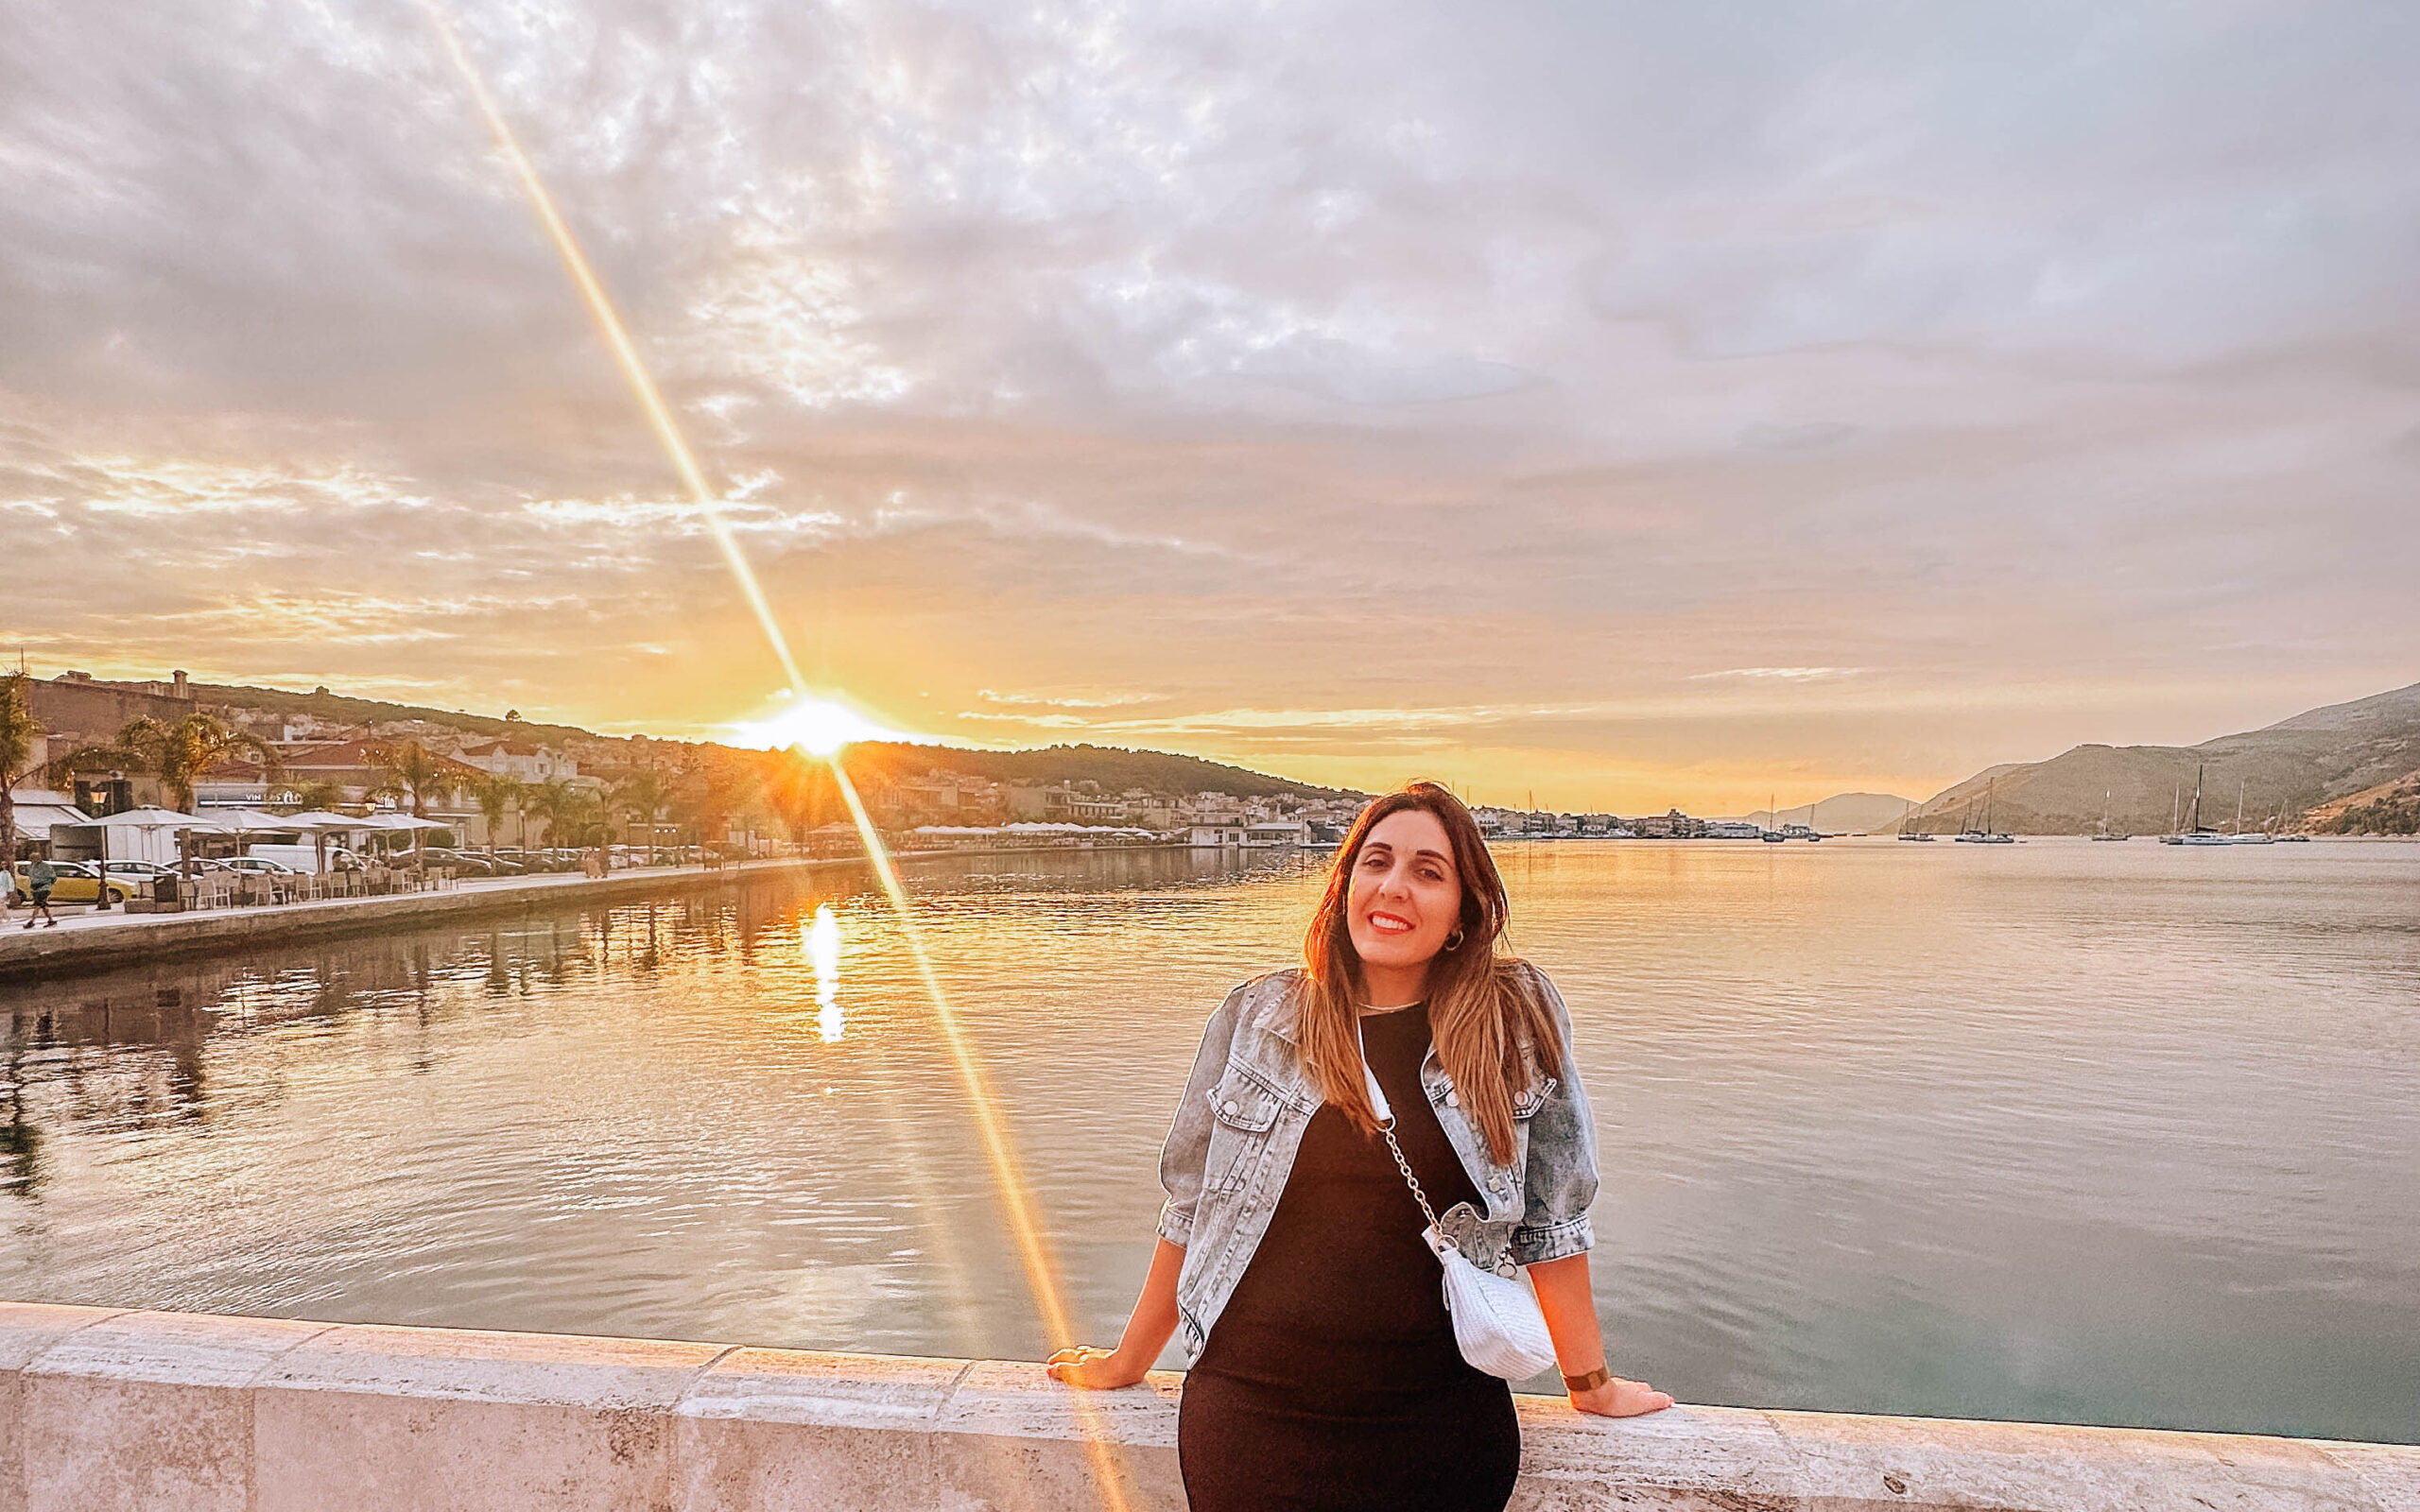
x,y
1496,1322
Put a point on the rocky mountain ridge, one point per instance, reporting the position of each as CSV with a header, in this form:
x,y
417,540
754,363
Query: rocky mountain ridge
x,y
2299,773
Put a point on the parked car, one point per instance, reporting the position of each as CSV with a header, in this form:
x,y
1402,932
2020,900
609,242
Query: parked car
x,y
140,871
77,884
257,866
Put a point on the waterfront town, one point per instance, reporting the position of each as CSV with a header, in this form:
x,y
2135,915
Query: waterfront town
x,y
185,796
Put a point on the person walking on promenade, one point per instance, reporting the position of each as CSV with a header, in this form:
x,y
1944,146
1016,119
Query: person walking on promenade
x,y
40,877
1325,1370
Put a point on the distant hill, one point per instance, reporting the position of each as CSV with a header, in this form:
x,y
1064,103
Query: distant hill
x,y
1115,769
1843,812
344,709
2300,770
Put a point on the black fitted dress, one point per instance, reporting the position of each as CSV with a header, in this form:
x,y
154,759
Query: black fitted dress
x,y
1330,1380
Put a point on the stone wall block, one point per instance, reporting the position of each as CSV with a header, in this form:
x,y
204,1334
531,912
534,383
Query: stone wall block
x,y
147,1412
409,1419
1694,1459
27,1329
1012,1439
1860,1464
814,1433
2390,1472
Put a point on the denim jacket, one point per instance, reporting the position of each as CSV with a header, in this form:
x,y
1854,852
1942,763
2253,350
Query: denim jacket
x,y
1232,1147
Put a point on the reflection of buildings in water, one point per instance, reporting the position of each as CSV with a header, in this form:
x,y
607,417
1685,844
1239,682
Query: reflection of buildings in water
x,y
20,1170
115,1061
128,1049
1107,869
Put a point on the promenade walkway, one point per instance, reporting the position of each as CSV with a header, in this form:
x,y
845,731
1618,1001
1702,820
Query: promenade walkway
x,y
91,939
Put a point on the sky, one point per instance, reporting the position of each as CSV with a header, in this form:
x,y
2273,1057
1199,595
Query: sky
x,y
1629,404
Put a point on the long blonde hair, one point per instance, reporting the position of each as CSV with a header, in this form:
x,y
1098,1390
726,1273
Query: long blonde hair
x,y
1481,1008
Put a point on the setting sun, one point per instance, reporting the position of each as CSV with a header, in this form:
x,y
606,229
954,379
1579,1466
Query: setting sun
x,y
820,726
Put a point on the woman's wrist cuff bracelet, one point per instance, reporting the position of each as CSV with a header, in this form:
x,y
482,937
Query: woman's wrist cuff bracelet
x,y
1588,1382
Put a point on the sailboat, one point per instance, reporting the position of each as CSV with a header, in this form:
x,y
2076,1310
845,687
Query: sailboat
x,y
2105,833
2196,835
1773,835
1905,834
2242,836
1985,836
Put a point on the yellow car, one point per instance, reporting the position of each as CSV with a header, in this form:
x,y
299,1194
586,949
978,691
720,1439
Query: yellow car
x,y
77,884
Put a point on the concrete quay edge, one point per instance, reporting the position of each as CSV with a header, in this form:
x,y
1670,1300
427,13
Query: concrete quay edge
x,y
105,1410
145,937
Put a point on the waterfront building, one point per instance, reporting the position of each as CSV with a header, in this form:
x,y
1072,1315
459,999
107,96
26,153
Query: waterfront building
x,y
1042,801
519,758
355,767
1264,835
37,809
1669,825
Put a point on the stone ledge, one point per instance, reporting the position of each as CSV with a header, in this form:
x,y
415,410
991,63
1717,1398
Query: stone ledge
x,y
103,1409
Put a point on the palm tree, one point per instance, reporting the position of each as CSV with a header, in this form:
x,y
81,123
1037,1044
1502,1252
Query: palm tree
x,y
412,771
709,795
556,802
495,793
19,730
176,754
642,796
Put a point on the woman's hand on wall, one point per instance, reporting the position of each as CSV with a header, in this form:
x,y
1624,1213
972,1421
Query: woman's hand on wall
x,y
1617,1397
1096,1368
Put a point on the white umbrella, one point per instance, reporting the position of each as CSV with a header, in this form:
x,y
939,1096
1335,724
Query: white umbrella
x,y
401,821
144,820
252,821
149,817
321,820
407,822
320,823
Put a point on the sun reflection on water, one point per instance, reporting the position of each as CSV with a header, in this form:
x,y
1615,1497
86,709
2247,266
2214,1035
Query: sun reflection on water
x,y
823,954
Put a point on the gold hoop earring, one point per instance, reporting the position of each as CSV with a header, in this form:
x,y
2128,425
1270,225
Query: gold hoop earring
x,y
1454,940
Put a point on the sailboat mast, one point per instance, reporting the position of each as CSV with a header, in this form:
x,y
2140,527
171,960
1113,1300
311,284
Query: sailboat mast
x,y
2197,797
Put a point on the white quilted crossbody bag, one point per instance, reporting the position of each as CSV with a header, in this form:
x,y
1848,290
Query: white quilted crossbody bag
x,y
1496,1322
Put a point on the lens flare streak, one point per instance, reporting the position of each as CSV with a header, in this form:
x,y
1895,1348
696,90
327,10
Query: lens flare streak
x,y
1111,1475
617,340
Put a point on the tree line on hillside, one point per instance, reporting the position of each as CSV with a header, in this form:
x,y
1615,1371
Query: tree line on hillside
x,y
693,797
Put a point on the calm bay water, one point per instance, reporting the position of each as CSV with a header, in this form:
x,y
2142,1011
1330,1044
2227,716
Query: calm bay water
x,y
2113,1134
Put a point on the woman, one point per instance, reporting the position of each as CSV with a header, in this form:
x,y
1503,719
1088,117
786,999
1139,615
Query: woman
x,y
1324,1370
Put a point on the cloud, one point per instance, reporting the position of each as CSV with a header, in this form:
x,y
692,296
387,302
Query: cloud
x,y
1781,673
1303,379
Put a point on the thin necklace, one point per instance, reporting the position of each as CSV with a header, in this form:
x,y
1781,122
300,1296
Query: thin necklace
x,y
1372,1008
